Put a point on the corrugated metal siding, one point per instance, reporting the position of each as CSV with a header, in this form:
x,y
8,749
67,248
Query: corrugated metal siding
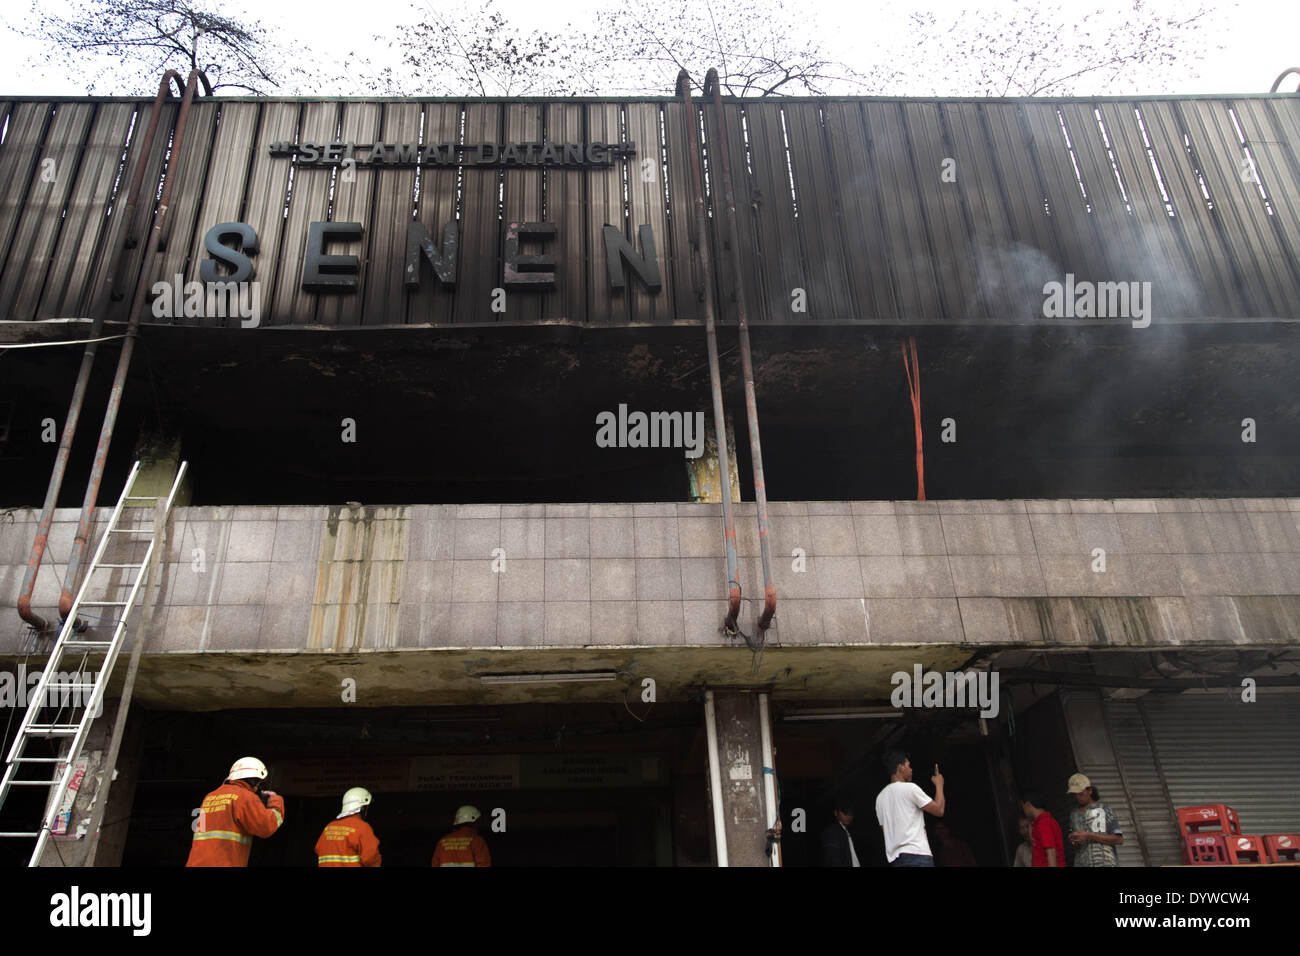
x,y
1185,750
843,198
1217,749
1152,811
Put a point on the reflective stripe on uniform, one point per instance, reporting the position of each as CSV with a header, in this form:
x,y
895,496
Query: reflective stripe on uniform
x,y
223,835
340,859
279,818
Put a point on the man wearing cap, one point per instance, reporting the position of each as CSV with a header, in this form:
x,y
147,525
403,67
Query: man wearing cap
x,y
837,841
1094,828
348,840
233,814
463,846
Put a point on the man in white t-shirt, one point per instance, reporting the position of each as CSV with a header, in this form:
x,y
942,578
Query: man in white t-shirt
x,y
900,808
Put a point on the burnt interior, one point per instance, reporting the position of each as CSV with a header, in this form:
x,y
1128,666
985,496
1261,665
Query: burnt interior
x,y
501,414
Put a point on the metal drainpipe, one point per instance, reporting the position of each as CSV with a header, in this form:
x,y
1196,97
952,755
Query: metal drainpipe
x,y
746,359
769,772
715,779
157,244
52,490
701,240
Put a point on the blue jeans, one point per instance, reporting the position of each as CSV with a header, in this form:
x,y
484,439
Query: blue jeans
x,y
912,859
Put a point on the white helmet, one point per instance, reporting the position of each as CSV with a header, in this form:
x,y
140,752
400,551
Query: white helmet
x,y
354,800
466,814
245,768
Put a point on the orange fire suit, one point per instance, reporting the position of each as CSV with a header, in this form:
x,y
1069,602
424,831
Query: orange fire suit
x,y
348,841
229,818
462,847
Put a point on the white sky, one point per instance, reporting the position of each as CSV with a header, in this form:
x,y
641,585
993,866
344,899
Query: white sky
x,y
1260,38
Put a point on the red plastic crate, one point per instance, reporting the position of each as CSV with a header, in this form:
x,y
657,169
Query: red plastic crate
x,y
1243,848
1208,818
1202,849
1282,847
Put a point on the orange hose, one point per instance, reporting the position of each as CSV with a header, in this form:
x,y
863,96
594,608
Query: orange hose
x,y
913,367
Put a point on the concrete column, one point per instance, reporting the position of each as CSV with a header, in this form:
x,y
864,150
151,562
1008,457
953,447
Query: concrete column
x,y
78,846
740,769
705,481
160,459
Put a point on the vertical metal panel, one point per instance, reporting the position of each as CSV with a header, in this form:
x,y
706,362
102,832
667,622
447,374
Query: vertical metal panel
x,y
482,233
950,238
308,203
353,203
1110,214
382,300
1010,156
1154,821
1276,165
19,157
820,224
263,201
431,303
765,191
227,181
911,258
190,172
604,205
1285,113
564,207
37,232
522,202
1215,748
1076,229
647,206
154,156
1200,233
1247,227
1161,247
866,246
1008,275
688,298
753,261
90,228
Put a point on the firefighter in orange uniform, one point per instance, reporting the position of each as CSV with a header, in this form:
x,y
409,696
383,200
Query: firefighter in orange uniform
x,y
349,841
233,814
463,846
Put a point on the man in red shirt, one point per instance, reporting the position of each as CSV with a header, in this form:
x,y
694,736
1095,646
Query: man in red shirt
x,y
1049,845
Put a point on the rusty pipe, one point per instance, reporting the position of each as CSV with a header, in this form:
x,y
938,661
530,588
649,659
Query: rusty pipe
x,y
71,579
731,237
1282,76
55,485
137,176
700,239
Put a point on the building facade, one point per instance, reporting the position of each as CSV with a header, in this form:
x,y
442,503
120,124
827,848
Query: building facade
x,y
454,519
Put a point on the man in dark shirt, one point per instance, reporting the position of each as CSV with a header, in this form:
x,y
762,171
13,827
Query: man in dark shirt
x,y
837,842
1049,845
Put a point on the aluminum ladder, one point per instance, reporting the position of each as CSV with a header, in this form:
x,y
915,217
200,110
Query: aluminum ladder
x,y
75,639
